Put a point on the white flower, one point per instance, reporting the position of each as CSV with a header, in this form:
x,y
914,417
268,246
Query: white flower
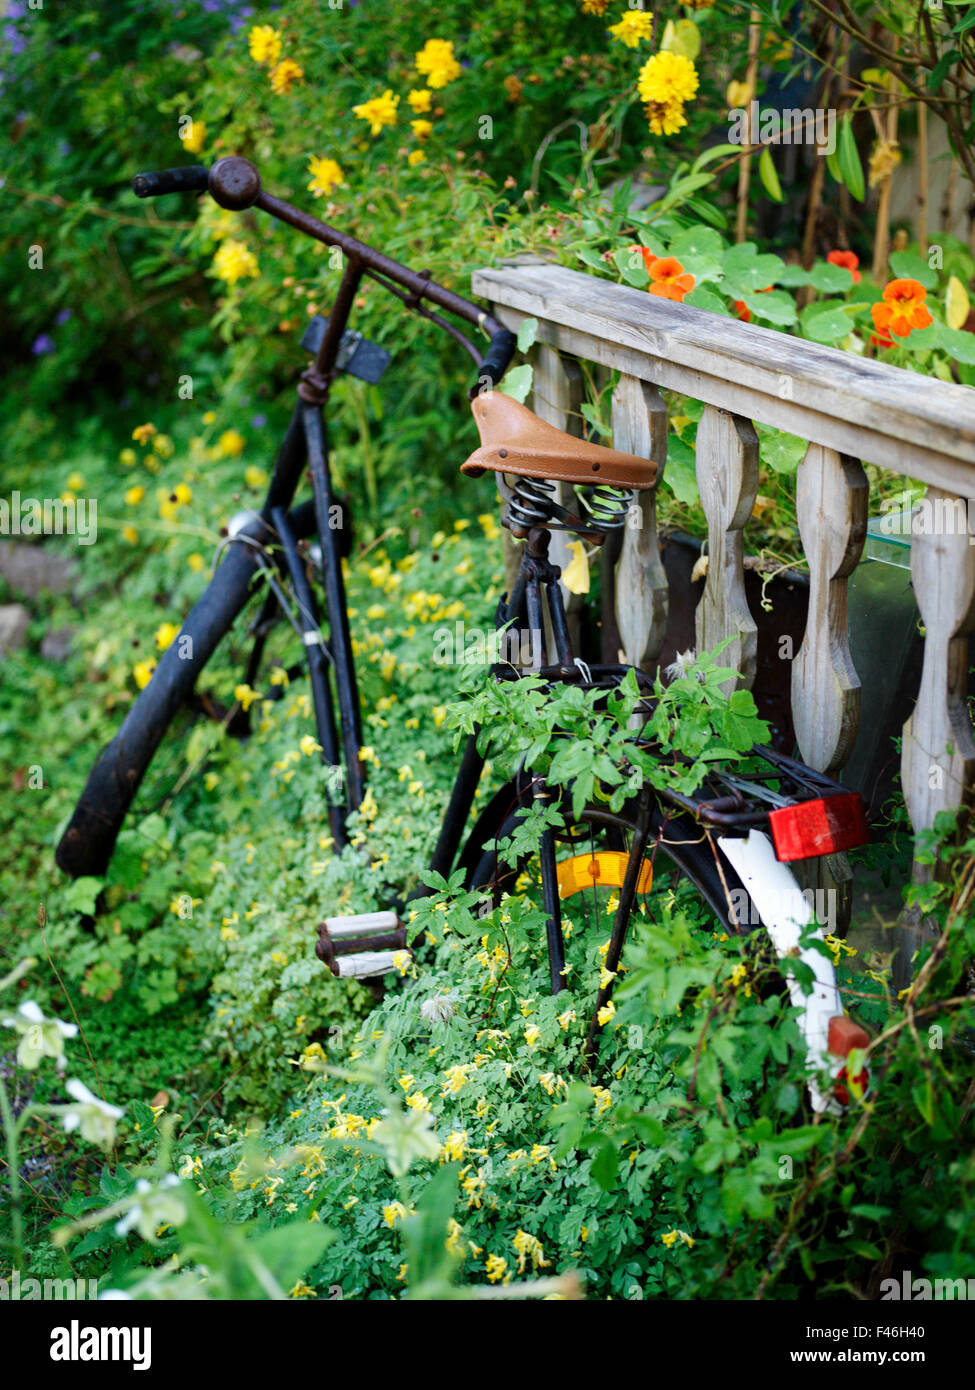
x,y
40,1037
440,1009
95,1118
153,1207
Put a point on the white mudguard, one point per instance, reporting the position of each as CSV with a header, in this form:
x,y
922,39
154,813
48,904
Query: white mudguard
x,y
785,912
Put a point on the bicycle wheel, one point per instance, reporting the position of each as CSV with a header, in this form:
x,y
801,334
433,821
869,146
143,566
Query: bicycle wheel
x,y
88,841
681,867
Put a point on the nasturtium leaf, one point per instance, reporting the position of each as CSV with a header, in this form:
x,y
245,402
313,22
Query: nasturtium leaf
x,y
908,265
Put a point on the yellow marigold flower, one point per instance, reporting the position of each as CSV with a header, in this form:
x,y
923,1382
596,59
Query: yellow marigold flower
x,y
234,261
496,1266
528,1247
665,118
421,129
143,433
134,495
194,137
142,670
264,43
436,62
246,695
378,111
166,634
326,174
634,26
415,157
667,77
130,534
231,443
420,99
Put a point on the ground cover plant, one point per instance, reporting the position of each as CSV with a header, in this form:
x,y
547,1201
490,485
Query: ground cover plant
x,y
191,1106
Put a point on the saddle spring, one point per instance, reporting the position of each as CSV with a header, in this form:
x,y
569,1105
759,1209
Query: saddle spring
x,y
608,506
532,502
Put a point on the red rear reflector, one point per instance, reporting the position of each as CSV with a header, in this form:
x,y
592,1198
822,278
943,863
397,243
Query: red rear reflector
x,y
812,828
844,1035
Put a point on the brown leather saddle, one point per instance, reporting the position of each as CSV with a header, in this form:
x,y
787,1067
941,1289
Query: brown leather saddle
x,y
514,440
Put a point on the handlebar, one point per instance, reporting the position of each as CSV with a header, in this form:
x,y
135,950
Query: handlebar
x,y
235,183
191,178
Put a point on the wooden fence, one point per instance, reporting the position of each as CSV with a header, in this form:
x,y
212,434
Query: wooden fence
x,y
851,411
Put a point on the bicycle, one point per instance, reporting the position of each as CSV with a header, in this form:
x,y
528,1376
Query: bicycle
x,y
731,841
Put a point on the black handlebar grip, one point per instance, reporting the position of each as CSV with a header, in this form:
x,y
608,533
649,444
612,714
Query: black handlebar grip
x,y
190,178
496,360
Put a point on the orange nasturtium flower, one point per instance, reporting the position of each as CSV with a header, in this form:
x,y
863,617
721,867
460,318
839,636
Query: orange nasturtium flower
x,y
668,278
849,260
743,311
901,308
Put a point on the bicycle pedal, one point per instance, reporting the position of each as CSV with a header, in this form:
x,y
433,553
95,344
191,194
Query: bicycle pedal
x,y
361,946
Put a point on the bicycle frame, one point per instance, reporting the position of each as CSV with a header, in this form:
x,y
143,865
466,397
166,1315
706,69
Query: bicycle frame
x,y
235,183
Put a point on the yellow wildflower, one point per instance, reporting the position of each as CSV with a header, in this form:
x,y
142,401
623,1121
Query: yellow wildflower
x,y
415,157
134,495
436,62
166,634
143,433
634,26
234,261
142,671
284,75
326,174
420,99
194,137
378,111
264,43
421,128
496,1266
528,1247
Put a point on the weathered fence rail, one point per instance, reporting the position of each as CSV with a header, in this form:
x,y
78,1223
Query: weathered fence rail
x,y
851,411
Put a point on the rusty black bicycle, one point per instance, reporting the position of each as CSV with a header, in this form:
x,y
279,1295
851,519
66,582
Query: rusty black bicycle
x,y
731,843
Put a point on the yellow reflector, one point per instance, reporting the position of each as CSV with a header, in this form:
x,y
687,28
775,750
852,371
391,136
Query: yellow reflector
x,y
606,869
